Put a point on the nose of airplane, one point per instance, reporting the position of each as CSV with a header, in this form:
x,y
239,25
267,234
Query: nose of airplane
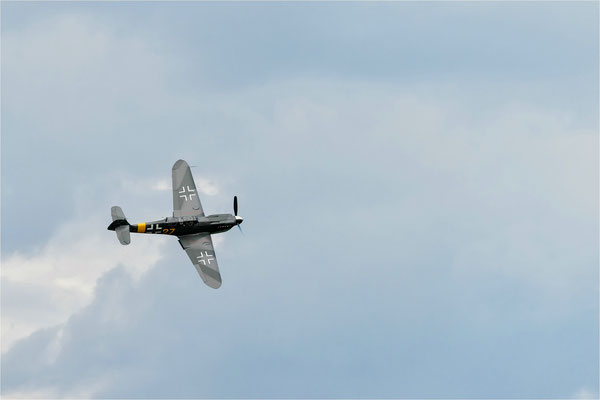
x,y
238,219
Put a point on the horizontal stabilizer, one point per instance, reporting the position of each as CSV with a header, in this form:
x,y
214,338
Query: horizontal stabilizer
x,y
123,234
120,225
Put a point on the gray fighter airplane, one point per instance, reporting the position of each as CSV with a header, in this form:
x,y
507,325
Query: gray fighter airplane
x,y
189,224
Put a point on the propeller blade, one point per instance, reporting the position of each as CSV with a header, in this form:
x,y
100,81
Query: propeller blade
x,y
240,228
235,208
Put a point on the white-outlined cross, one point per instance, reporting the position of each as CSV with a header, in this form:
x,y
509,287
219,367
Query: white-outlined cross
x,y
185,194
205,258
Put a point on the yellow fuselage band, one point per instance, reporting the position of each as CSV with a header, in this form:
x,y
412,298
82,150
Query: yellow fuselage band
x,y
141,228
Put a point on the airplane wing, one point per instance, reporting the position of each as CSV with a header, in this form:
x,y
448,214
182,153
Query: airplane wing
x,y
200,250
185,196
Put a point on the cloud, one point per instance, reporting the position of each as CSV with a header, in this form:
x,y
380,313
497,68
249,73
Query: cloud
x,y
43,288
76,62
398,236
162,185
457,221
585,393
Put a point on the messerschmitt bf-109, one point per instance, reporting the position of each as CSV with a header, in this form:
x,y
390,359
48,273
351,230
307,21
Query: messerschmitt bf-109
x,y
189,224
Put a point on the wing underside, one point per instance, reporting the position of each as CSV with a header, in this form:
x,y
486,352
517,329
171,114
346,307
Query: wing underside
x,y
200,250
185,196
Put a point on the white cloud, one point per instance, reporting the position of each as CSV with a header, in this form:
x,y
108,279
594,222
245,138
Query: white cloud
x,y
44,288
207,187
37,393
161,185
585,393
84,391
136,185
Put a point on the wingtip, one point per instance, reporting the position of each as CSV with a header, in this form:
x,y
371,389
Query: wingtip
x,y
212,283
210,277
215,285
180,163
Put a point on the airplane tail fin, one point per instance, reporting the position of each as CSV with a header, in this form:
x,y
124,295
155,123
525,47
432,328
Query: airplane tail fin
x,y
120,225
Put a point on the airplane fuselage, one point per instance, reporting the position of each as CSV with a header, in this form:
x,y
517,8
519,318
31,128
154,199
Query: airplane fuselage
x,y
180,226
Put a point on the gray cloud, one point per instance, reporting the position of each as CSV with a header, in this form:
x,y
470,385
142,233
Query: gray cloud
x,y
418,238
423,266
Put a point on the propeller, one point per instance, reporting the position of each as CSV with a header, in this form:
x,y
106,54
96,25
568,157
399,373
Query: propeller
x,y
238,220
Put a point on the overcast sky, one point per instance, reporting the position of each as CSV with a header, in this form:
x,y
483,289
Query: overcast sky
x,y
419,183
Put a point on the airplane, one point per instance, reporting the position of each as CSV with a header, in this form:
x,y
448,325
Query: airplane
x,y
189,224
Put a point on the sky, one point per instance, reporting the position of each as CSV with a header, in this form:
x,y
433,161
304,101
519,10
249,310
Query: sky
x,y
418,181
